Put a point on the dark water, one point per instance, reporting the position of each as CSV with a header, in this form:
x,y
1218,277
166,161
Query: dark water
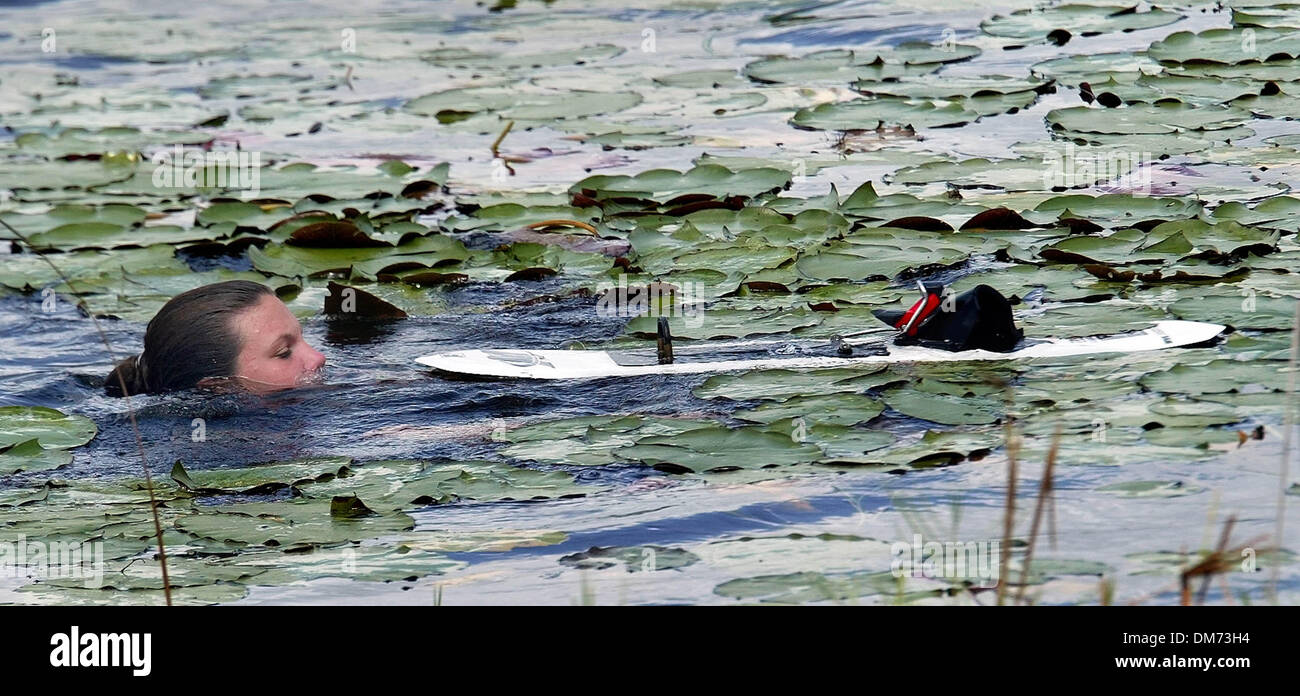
x,y
56,359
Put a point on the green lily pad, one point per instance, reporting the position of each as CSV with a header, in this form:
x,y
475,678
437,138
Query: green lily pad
x,y
1096,319
1191,436
633,558
936,448
18,497
456,104
778,384
217,593
1137,119
1118,247
1082,19
1043,569
1150,489
726,324
486,482
719,449
61,181
840,66
270,475
1187,412
53,429
471,541
61,142
1226,46
287,524
366,562
666,184
1021,174
1244,310
948,87
457,57
101,235
841,409
30,456
29,271
841,443
147,575
1122,209
1096,68
1215,377
807,586
568,427
869,114
944,408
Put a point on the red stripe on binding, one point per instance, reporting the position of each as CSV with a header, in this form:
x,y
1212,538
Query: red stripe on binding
x,y
925,306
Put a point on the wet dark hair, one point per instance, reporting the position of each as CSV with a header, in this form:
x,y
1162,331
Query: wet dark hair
x,y
190,338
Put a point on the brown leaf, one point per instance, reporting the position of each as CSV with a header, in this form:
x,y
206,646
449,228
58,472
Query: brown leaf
x,y
345,300
420,189
435,278
1107,272
998,219
535,273
919,223
337,234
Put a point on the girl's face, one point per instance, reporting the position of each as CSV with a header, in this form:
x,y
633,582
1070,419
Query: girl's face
x,y
273,355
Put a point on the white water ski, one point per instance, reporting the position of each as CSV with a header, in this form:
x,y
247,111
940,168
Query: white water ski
x,y
588,364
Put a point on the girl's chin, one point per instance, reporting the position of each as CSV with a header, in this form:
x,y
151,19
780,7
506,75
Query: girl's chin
x,y
260,387
256,386
311,379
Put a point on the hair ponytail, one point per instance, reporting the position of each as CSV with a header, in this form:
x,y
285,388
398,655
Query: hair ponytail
x,y
130,371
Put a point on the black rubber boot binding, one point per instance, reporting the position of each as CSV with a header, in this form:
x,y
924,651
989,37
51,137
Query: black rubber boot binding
x,y
979,318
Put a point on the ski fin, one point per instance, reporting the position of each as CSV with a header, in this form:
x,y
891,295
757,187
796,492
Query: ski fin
x,y
665,342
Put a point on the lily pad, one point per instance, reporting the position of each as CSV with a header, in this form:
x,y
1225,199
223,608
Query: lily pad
x,y
777,384
1215,377
364,562
1226,46
1137,119
841,409
287,524
455,104
665,184
807,586
1150,489
53,429
30,456
870,114
1082,19
719,449
944,408
633,558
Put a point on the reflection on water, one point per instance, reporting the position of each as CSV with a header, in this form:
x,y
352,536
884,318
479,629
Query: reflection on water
x,y
342,332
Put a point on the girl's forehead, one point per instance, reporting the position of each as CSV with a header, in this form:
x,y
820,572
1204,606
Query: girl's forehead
x,y
269,316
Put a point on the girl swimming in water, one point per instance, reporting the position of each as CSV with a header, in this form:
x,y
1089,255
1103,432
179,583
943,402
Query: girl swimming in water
x,y
235,332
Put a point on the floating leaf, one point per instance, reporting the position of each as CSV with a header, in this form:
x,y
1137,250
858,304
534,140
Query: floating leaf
x,y
1150,489
943,408
53,430
30,456
718,449
1082,19
842,409
633,558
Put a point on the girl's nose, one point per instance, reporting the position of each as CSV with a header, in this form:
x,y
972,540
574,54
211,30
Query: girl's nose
x,y
315,359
